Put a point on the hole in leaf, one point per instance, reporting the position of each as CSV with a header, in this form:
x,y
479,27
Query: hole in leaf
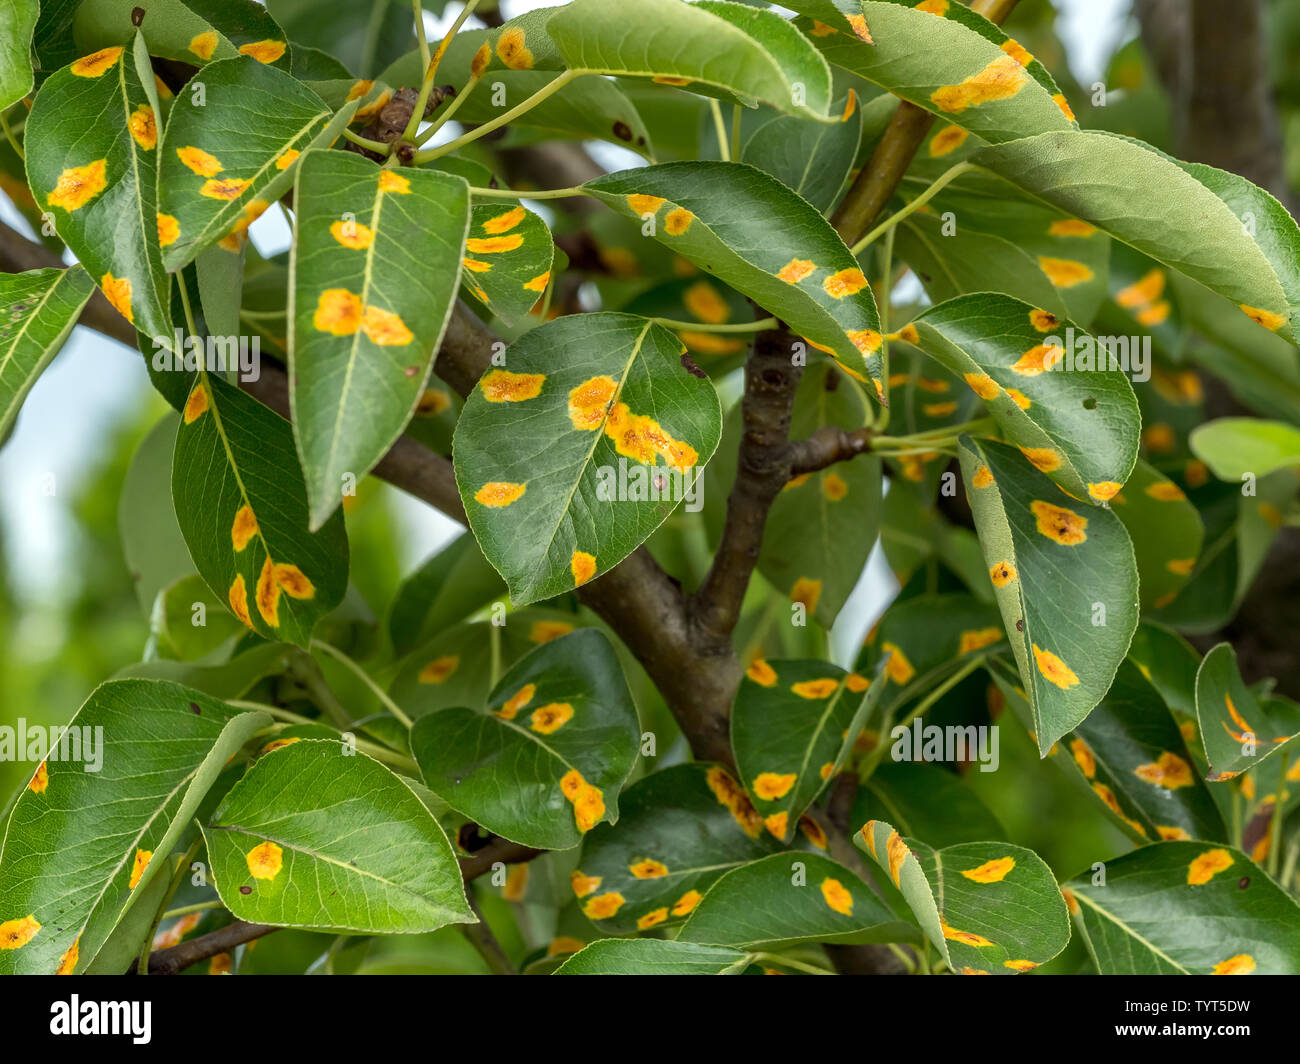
x,y
1090,403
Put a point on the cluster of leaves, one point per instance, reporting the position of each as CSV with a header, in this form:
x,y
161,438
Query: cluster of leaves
x,y
314,794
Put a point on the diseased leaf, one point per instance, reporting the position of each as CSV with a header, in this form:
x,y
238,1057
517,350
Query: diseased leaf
x,y
1166,531
92,150
318,835
445,589
788,898
1239,727
373,277
924,799
152,544
1075,422
194,32
560,727
649,956
101,814
1059,569
792,726
679,830
37,311
567,460
811,158
242,508
1002,912
228,158
1186,908
508,258
753,233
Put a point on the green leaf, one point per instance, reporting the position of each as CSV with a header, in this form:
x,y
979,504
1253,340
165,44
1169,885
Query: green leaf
x,y
242,508
329,839
567,460
1236,446
925,800
192,32
561,727
508,256
375,260
229,153
364,37
681,828
793,724
787,898
1132,757
952,65
1238,727
1166,530
17,23
1170,211
811,158
37,311
821,528
649,956
1185,908
86,836
751,232
1002,911
152,544
1078,424
92,149
749,53
445,589
1065,579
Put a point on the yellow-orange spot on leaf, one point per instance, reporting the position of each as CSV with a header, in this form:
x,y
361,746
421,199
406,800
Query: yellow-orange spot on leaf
x,y
1168,770
265,860
978,639
1181,566
982,385
589,402
1106,489
947,140
168,230
1043,458
983,477
476,265
1002,574
1154,315
352,234
1147,289
1038,359
512,51
502,386
244,527
603,906
199,161
968,938
1071,902
730,794
869,836
138,867
545,631
588,801
795,270
550,718
1019,398
385,328
1158,437
845,283
14,934
859,26
1020,965
583,567
834,487
68,962
813,689
687,902
95,64
933,7
491,245
812,831
1064,104
230,188
432,401
898,668
480,61
263,51
392,182
868,342
820,29
516,884
677,221
144,128
1267,318
286,158
538,283
439,669
1172,834
117,290
653,917
808,591
78,185
1054,669
503,222
1071,227
1017,51
647,868
1059,524
1207,866
1064,273
584,885
855,683
1043,321
1165,491
778,824
278,744
703,300
896,852
837,896
40,779
238,599
1083,758
642,204
1241,964
938,409
1000,80
710,343
773,785
993,871
761,673
204,44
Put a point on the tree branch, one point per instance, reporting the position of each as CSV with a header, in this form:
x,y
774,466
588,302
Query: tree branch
x,y
828,445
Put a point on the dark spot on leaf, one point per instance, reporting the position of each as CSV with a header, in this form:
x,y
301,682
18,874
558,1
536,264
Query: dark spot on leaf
x,y
692,367
194,708
137,16
1243,882
411,371
1020,625
640,142
832,381
623,131
1090,403
245,890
